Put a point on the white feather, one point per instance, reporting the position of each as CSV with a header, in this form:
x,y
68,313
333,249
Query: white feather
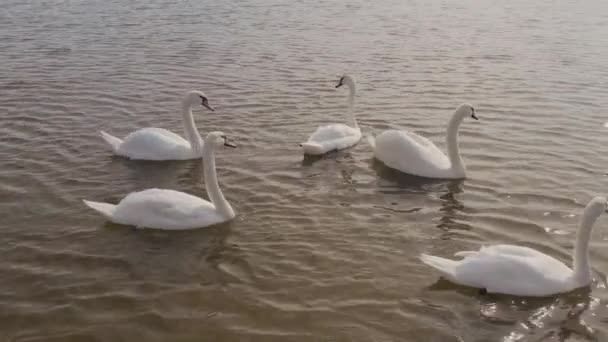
x,y
170,209
416,155
523,271
160,144
335,136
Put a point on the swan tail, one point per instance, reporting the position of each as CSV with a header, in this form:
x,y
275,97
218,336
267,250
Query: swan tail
x,y
105,209
445,266
112,140
372,141
312,148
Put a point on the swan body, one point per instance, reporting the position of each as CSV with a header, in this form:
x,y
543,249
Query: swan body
x,y
159,143
170,209
335,136
413,154
523,271
331,137
151,144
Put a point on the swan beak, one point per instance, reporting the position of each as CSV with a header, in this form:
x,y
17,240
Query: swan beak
x,y
206,105
339,85
473,114
229,144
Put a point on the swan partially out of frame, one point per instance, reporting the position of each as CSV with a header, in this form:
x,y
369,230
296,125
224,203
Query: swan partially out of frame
x,y
523,271
160,144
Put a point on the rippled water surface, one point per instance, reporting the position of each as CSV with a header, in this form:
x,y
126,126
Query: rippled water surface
x,y
321,250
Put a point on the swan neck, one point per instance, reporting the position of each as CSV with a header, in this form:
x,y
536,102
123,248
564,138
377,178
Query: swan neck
x,y
453,145
582,266
190,130
213,189
351,105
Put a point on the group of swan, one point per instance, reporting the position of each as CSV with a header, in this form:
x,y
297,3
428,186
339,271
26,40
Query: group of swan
x,y
505,269
163,208
405,151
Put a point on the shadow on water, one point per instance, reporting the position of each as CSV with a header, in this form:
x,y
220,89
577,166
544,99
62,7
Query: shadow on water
x,y
406,183
173,255
157,174
309,160
452,208
558,317
446,190
552,318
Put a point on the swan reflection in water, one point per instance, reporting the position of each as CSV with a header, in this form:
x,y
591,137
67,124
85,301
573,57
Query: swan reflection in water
x,y
554,318
447,191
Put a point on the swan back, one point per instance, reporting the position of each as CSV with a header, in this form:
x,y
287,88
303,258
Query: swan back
x,y
412,154
165,209
506,269
155,144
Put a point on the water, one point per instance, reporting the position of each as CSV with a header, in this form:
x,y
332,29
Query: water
x,y
321,250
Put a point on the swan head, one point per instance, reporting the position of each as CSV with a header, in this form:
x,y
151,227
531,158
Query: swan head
x,y
465,110
218,139
346,79
595,208
196,97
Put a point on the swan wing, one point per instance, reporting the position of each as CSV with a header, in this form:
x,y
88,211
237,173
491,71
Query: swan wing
x,y
411,153
511,250
331,137
511,270
155,144
332,132
165,209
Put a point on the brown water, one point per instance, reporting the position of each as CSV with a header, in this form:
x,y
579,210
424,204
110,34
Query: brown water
x,y
321,250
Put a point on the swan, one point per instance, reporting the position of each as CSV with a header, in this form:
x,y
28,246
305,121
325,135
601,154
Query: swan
x,y
413,154
336,136
170,209
523,271
160,144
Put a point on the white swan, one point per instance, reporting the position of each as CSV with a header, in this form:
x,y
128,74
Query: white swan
x,y
169,209
523,271
336,136
413,154
161,144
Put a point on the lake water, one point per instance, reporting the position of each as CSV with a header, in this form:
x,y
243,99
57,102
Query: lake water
x,y
321,250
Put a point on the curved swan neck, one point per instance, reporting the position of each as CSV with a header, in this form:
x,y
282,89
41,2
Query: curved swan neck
x,y
213,189
452,144
582,266
351,104
190,129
